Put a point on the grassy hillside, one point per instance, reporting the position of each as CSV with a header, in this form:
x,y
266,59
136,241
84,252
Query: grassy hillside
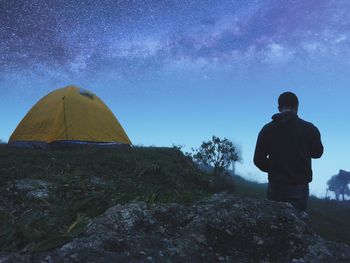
x,y
329,218
74,185
247,188
48,197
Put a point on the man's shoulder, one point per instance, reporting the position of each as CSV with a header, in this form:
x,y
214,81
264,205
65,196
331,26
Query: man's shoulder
x,y
267,127
306,124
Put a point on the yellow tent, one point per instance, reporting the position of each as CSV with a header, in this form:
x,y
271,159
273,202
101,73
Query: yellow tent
x,y
70,114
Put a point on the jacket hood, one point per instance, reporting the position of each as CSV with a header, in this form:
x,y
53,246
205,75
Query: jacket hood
x,y
284,118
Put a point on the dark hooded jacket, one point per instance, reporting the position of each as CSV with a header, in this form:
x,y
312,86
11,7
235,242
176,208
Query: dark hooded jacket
x,y
285,147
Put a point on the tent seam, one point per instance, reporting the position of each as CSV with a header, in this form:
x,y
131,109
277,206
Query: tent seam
x,y
64,116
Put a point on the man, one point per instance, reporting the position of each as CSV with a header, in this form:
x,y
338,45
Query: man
x,y
284,150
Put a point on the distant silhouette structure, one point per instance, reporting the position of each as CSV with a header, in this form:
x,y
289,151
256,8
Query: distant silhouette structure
x,y
339,184
284,149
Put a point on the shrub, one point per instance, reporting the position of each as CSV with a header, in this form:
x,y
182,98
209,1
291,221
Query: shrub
x,y
217,153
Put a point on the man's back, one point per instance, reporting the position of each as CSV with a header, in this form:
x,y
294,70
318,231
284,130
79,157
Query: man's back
x,y
284,150
285,147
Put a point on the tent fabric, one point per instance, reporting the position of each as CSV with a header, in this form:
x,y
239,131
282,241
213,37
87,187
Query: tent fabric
x,y
70,114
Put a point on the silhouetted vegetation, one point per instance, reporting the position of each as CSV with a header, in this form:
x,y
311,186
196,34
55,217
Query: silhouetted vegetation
x,y
339,184
217,153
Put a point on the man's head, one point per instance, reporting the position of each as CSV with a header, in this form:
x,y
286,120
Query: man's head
x,y
288,101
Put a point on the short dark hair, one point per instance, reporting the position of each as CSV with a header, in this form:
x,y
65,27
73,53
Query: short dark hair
x,y
288,100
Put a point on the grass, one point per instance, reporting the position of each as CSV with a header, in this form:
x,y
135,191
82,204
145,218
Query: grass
x,y
331,219
247,188
83,183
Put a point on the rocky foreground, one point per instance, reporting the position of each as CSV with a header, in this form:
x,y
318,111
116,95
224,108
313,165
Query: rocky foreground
x,y
223,228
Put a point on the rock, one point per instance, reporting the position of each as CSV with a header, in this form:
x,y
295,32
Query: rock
x,y
33,188
25,185
38,194
212,230
97,181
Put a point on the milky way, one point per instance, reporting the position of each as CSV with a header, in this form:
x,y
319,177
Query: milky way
x,y
88,37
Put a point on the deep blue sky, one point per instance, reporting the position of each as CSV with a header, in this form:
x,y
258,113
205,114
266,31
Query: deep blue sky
x,y
177,72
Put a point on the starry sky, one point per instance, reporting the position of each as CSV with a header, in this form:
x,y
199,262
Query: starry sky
x,y
179,71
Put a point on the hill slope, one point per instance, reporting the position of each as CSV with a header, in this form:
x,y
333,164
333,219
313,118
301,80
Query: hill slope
x,y
50,197
44,193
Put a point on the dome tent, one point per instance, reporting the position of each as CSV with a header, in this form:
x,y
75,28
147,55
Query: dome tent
x,y
69,115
